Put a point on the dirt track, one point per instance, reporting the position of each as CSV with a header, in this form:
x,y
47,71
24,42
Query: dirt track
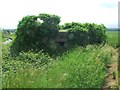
x,y
112,76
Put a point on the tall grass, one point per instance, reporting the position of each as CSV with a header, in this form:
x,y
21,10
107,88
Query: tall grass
x,y
79,67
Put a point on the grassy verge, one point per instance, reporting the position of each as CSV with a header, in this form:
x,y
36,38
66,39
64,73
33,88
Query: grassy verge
x,y
77,68
80,67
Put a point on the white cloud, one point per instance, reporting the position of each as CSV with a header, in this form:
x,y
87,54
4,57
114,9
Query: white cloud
x,y
97,11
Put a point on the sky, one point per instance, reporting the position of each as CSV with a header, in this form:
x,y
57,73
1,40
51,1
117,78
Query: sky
x,y
92,11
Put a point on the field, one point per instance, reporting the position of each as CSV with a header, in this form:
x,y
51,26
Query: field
x,y
112,37
77,68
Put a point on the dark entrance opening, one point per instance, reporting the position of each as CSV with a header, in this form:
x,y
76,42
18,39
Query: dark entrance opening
x,y
61,43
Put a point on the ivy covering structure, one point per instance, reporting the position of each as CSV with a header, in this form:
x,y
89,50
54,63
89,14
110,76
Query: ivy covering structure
x,y
42,32
35,32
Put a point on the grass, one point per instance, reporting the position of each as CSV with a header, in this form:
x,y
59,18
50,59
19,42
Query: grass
x,y
112,38
80,67
114,41
77,68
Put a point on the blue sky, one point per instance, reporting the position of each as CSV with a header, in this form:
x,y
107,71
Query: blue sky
x,y
92,11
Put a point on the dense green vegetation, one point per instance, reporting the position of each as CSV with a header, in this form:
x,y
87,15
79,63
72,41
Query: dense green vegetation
x,y
82,66
36,35
35,32
79,67
86,33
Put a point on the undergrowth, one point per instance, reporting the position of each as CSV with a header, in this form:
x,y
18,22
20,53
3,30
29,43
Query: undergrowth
x,y
77,68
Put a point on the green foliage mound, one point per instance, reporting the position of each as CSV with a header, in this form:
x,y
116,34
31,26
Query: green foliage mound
x,y
86,33
40,32
35,32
